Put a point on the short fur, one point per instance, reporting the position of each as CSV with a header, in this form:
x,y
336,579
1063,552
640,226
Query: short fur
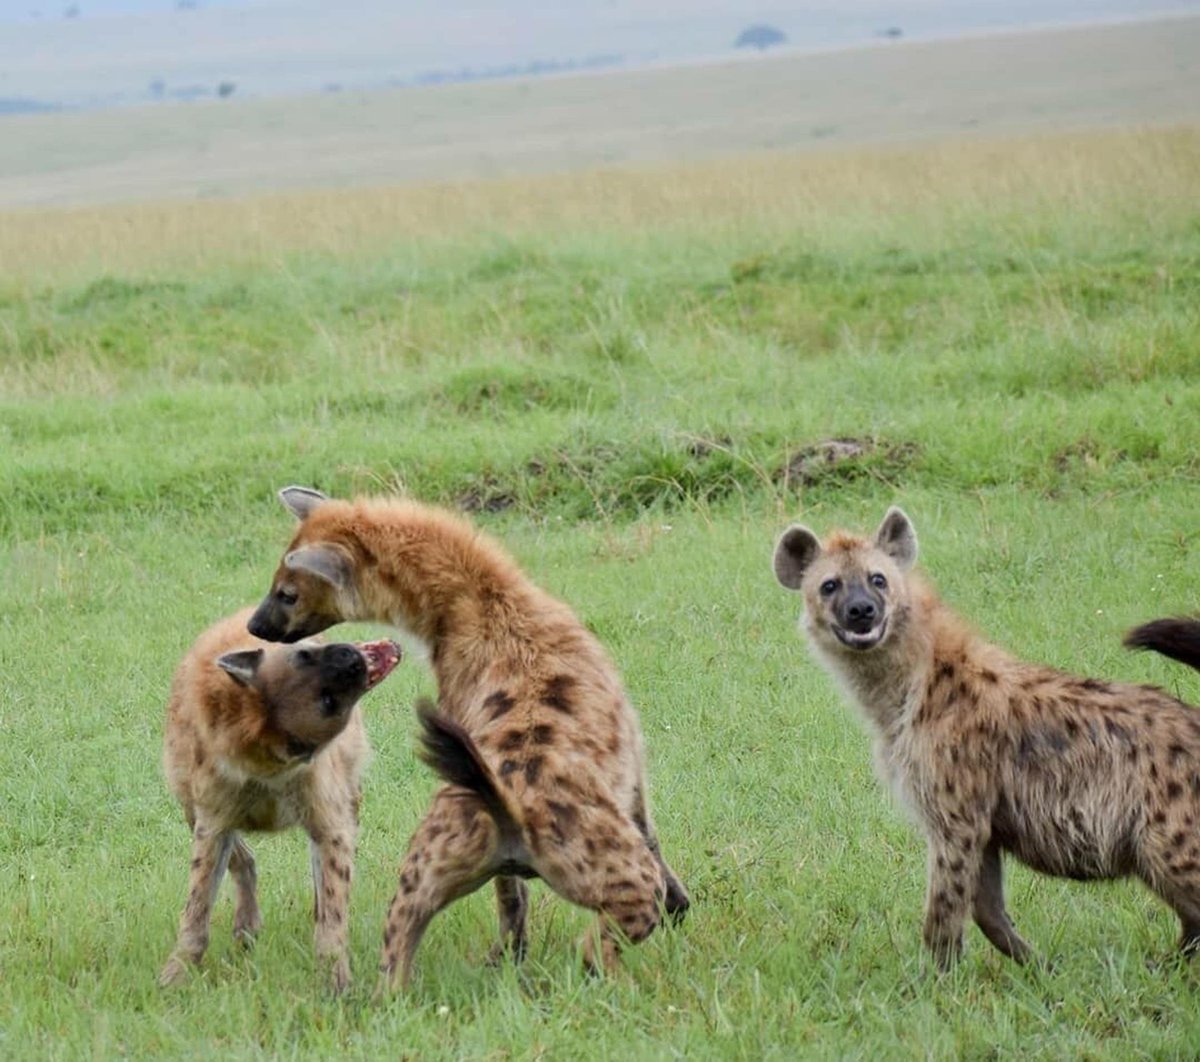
x,y
255,740
1076,777
534,728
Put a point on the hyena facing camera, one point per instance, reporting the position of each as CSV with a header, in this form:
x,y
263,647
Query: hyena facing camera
x,y
1076,777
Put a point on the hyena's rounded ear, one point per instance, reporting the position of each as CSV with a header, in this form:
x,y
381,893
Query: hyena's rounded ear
x,y
795,551
241,666
301,501
325,562
897,538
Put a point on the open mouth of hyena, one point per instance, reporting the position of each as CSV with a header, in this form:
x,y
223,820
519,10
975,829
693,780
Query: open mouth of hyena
x,y
865,640
381,657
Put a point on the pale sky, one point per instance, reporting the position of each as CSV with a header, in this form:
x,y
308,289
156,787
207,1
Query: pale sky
x,y
115,49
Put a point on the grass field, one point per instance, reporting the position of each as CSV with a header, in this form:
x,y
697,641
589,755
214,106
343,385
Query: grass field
x,y
613,371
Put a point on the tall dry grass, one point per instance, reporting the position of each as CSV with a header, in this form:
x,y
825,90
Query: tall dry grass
x,y
926,194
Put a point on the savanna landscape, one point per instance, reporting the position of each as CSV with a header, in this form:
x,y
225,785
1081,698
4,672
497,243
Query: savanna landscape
x,y
634,378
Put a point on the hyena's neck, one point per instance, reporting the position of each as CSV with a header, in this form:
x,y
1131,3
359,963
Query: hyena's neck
x,y
431,574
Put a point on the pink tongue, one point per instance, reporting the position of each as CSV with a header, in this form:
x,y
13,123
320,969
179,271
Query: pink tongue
x,y
383,656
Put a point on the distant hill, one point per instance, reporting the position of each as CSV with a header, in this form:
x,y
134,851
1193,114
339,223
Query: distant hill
x,y
23,106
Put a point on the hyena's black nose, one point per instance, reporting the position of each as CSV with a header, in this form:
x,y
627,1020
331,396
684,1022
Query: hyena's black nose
x,y
860,614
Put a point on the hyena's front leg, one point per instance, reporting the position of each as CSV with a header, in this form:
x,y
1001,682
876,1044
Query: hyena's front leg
x,y
331,847
512,906
626,887
210,855
451,854
990,915
247,919
676,900
953,877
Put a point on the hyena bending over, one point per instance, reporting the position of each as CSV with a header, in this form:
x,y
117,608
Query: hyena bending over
x,y
1076,777
262,737
527,698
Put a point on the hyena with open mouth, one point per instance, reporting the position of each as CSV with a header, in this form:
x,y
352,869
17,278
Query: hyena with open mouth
x,y
262,737
1076,777
533,727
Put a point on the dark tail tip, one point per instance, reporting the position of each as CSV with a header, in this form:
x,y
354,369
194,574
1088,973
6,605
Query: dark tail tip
x,y
1177,638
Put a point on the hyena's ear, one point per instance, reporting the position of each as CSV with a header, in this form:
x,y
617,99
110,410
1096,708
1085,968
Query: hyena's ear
x,y
241,666
795,551
897,538
301,500
325,562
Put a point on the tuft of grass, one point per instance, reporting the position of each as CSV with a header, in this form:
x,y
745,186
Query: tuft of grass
x,y
635,380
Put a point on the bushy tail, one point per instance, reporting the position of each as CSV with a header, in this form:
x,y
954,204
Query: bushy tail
x,y
449,750
1177,638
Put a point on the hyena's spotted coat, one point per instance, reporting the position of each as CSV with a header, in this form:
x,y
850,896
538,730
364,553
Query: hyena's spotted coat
x,y
262,737
1076,777
538,732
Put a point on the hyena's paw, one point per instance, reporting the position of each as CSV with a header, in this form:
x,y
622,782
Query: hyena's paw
x,y
339,976
386,987
174,972
247,922
676,902
601,955
505,951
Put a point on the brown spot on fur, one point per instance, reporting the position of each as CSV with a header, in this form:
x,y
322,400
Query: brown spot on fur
x,y
533,769
498,703
555,693
563,819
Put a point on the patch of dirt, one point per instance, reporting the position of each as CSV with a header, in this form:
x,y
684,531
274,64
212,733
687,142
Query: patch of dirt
x,y
485,499
844,459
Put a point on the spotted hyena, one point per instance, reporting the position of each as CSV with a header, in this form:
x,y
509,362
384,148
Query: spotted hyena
x,y
529,699
262,737
1076,777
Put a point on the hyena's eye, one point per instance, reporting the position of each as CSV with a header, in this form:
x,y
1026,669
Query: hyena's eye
x,y
878,581
329,704
829,586
287,597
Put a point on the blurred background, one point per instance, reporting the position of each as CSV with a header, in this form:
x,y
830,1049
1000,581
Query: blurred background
x,y
290,92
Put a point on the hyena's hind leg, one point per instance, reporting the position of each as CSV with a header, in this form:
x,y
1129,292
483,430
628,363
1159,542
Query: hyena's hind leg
x,y
247,919
452,854
210,854
675,900
512,906
1172,869
990,914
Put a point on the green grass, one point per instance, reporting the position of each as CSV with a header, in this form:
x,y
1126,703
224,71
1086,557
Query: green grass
x,y
619,403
